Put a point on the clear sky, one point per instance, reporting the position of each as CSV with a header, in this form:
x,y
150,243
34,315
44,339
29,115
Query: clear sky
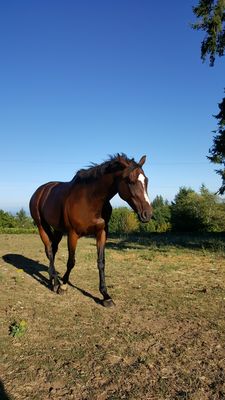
x,y
80,80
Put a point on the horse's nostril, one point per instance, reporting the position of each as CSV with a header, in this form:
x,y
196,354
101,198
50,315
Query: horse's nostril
x,y
144,215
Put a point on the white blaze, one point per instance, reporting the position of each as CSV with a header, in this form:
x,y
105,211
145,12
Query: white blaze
x,y
141,178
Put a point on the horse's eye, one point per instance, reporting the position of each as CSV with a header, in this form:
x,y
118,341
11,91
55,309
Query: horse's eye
x,y
128,180
131,182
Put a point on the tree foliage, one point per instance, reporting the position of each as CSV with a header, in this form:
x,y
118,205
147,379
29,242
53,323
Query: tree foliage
x,y
211,20
217,151
161,214
18,221
123,221
197,212
189,212
22,220
6,220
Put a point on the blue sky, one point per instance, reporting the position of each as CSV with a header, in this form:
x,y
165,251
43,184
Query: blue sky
x,y
84,79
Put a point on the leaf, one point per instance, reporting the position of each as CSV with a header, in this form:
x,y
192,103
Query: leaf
x,y
18,329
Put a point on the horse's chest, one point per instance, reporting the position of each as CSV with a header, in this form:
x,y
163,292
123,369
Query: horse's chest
x,y
84,221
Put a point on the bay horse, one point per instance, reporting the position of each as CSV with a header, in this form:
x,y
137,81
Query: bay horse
x,y
82,207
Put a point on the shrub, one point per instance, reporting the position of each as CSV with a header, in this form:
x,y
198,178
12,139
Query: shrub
x,y
123,221
197,212
19,223
7,220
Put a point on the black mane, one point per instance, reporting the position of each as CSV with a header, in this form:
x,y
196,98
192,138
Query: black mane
x,y
95,171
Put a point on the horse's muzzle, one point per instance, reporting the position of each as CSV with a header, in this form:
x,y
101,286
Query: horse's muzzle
x,y
145,216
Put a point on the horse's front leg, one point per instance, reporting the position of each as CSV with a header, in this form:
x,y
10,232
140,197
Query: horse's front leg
x,y
101,239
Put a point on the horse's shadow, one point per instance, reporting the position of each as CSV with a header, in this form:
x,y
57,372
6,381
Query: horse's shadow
x,y
87,294
3,394
35,270
31,267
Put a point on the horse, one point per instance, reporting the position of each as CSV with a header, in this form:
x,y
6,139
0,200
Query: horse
x,y
82,207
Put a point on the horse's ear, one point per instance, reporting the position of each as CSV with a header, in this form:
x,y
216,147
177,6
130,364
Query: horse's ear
x,y
142,161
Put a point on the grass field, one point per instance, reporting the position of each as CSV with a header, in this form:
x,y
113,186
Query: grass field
x,y
164,339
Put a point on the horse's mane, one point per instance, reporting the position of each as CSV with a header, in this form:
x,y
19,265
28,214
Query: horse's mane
x,y
95,171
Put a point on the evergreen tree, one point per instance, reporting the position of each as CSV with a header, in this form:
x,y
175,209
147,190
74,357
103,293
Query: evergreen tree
x,y
21,218
211,20
185,213
217,151
161,214
197,212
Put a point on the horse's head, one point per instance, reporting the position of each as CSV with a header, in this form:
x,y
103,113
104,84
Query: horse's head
x,y
132,187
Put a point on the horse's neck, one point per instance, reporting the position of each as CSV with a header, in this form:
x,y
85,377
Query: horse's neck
x,y
105,187
102,189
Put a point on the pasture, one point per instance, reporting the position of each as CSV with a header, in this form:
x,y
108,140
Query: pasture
x,y
164,339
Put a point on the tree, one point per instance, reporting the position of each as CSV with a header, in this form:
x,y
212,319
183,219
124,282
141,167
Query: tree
x,y
161,214
6,220
161,217
211,15
123,221
212,210
185,212
22,220
217,151
197,212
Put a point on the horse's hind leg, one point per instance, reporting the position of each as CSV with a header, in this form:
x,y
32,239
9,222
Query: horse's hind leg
x,y
72,243
57,236
50,250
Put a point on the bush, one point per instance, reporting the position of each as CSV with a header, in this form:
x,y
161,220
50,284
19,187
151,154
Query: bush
x,y
15,224
197,212
123,221
161,214
7,220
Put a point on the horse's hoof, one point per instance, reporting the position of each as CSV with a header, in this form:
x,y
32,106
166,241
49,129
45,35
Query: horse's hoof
x,y
55,288
108,303
62,289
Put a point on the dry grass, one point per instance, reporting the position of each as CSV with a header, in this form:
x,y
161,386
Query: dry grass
x,y
163,340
